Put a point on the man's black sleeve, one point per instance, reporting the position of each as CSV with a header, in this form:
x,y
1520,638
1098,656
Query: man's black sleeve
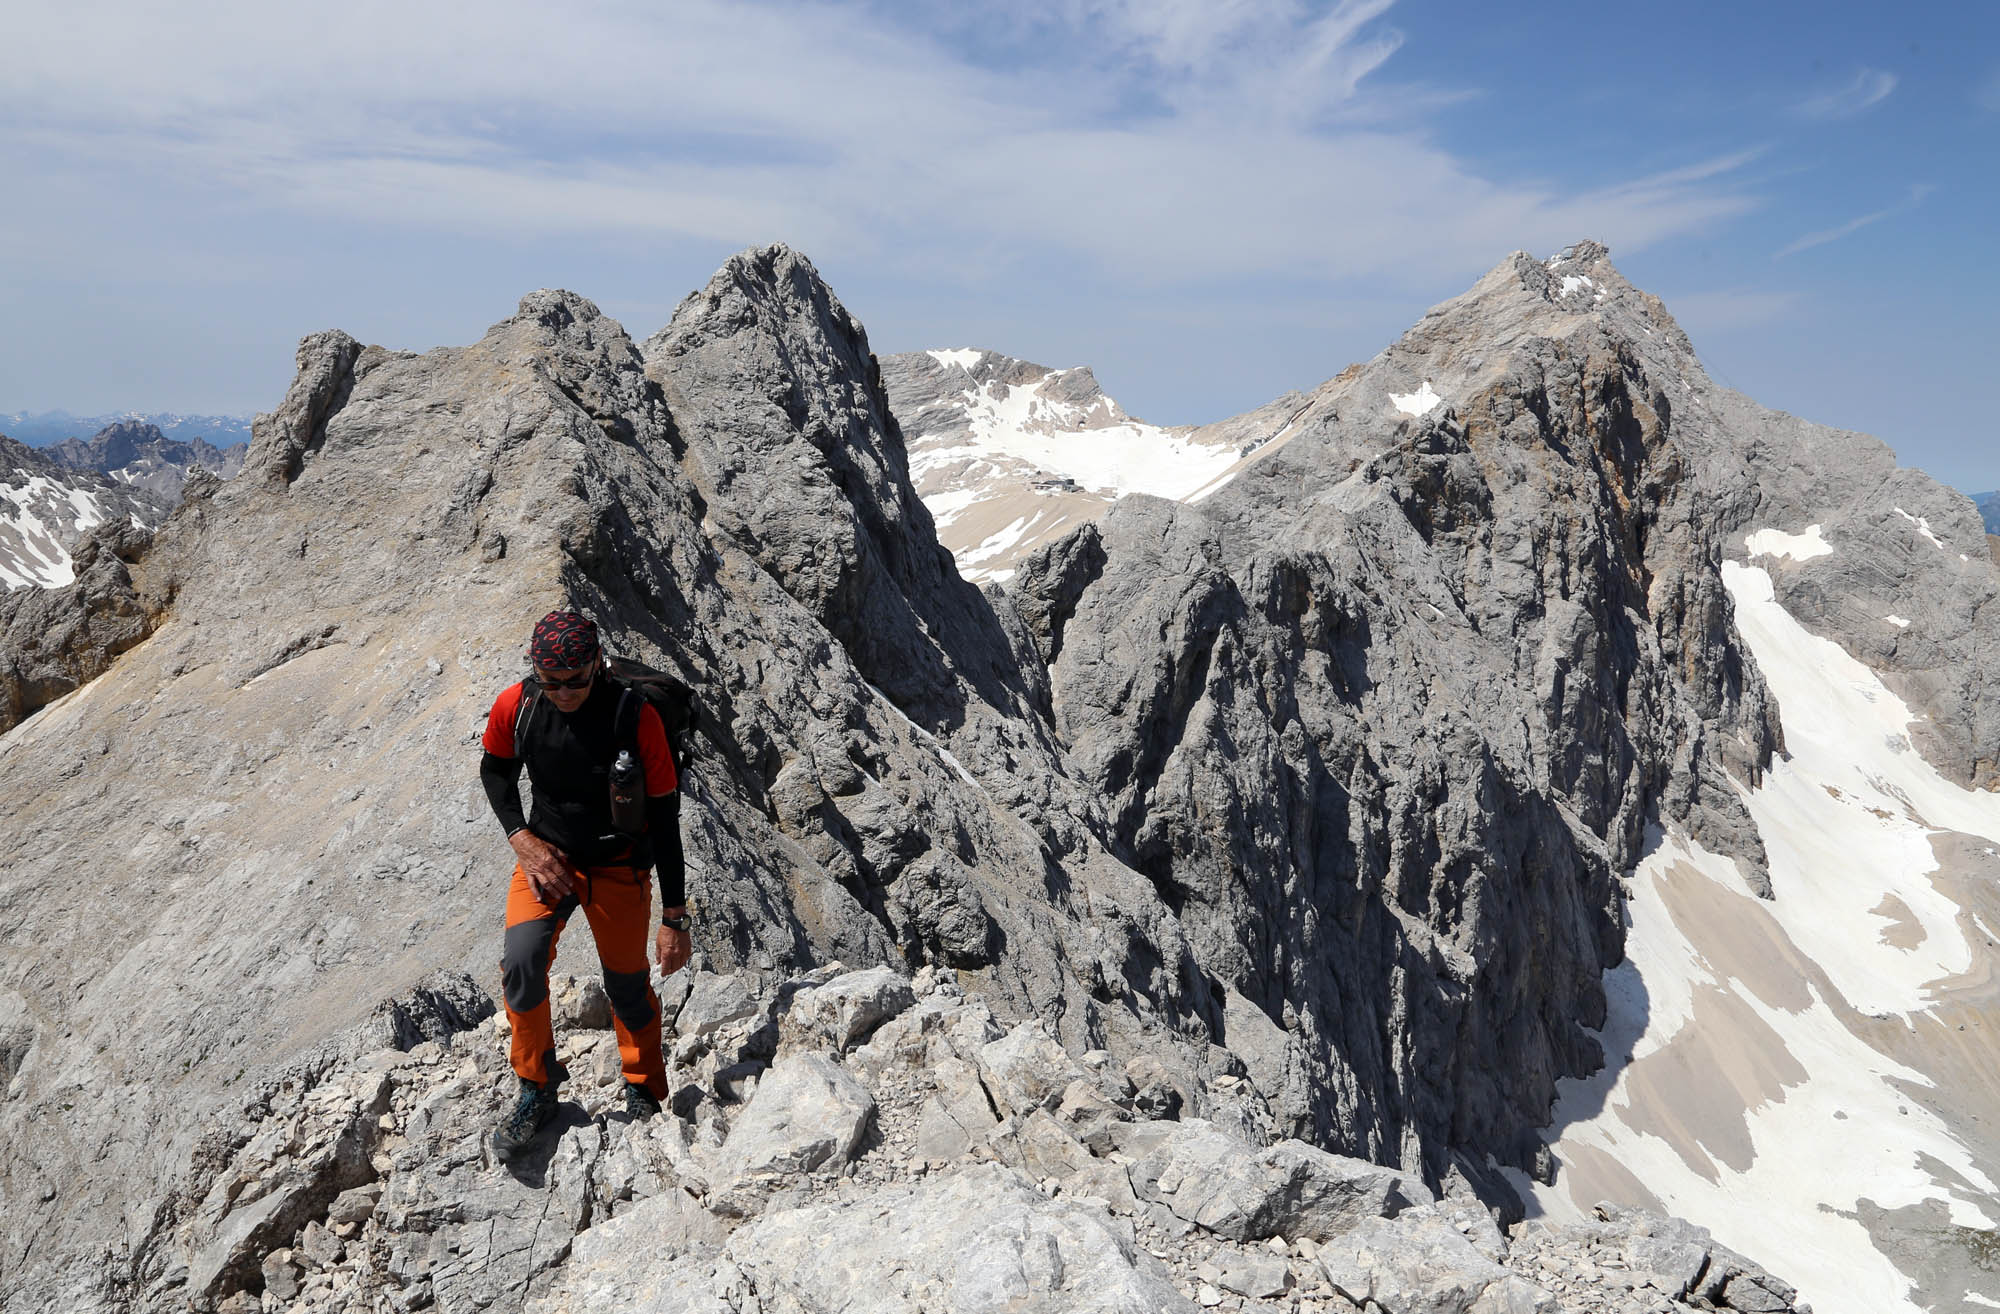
x,y
502,778
663,828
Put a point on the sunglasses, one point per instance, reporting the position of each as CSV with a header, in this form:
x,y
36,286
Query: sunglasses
x,y
582,681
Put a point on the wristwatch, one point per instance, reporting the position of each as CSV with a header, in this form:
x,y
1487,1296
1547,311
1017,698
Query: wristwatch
x,y
680,923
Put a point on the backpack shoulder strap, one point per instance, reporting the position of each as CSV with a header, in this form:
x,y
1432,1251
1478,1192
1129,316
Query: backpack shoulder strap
x,y
524,714
625,722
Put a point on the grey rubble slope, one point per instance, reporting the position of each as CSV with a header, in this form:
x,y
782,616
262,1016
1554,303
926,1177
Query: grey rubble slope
x,y
858,1140
259,821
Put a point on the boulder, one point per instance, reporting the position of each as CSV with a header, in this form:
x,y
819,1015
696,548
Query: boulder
x,y
715,1002
1156,1093
354,1206
807,1110
957,1115
1088,1116
1103,1180
1258,1276
579,1002
1047,1150
1684,1259
1420,1264
1027,1069
281,1275
288,1174
1290,1189
850,1006
981,1238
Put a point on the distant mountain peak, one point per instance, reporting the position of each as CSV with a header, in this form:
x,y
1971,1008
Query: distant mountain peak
x,y
48,428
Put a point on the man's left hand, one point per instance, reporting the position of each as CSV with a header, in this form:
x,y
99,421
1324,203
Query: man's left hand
x,y
673,949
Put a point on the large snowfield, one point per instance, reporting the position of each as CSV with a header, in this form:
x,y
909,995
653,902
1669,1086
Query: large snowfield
x,y
1748,1083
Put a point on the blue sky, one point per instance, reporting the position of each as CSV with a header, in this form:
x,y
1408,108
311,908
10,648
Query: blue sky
x,y
1208,202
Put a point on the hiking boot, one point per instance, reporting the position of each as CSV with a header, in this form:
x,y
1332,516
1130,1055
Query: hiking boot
x,y
639,1103
533,1111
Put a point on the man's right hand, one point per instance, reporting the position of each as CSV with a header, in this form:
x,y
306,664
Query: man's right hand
x,y
546,867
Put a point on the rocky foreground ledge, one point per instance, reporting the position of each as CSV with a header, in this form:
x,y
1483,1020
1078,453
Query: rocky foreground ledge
x,y
853,1140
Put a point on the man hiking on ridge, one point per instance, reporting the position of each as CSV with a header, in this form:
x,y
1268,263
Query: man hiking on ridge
x,y
567,725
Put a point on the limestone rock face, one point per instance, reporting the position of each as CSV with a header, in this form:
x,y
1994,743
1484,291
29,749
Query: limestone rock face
x,y
56,640
281,777
1457,653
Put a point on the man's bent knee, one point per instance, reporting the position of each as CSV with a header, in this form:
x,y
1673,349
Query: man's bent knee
x,y
631,997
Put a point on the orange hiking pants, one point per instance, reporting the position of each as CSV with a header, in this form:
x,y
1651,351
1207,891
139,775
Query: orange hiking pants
x,y
618,903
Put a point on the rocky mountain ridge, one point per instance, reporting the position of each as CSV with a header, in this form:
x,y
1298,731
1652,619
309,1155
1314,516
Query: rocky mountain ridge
x,y
49,428
1314,796
140,455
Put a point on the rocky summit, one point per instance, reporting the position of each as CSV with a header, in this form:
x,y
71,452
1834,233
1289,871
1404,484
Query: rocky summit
x,y
1210,917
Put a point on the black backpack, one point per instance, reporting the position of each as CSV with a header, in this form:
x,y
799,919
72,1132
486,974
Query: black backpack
x,y
672,698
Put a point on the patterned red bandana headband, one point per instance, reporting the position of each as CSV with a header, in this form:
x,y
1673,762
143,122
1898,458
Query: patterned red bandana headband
x,y
563,641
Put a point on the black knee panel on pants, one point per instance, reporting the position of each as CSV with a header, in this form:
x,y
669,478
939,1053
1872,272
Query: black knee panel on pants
x,y
524,963
631,998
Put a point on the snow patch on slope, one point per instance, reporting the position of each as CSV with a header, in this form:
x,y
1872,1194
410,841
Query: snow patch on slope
x,y
1799,547
1420,402
1092,445
963,358
1744,1069
1923,525
1848,816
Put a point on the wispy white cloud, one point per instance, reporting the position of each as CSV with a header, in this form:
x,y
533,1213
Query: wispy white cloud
x,y
1834,234
1268,151
1870,87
